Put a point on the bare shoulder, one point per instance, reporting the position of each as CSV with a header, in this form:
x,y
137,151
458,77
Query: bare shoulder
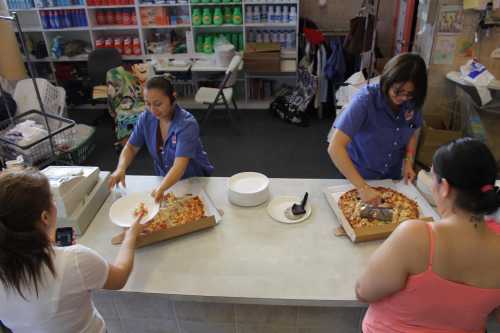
x,y
412,239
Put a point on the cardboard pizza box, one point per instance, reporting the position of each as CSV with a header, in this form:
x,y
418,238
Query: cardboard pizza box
x,y
377,231
158,236
212,218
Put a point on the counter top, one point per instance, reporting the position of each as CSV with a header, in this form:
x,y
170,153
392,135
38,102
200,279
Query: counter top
x,y
248,257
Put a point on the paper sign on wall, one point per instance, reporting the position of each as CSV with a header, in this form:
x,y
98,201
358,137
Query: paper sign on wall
x,y
444,50
451,20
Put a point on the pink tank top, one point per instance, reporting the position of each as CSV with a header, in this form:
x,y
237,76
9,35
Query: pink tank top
x,y
431,304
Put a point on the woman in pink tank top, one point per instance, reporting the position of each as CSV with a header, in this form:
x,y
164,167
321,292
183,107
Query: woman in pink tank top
x,y
441,277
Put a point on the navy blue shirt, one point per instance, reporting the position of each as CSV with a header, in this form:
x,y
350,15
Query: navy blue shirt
x,y
379,135
183,141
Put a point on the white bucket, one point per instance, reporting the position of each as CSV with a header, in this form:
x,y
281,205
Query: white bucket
x,y
223,55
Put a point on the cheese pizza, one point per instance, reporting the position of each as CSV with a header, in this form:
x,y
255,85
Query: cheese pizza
x,y
401,206
176,211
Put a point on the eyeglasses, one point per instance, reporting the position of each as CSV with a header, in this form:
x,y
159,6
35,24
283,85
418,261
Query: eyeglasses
x,y
399,92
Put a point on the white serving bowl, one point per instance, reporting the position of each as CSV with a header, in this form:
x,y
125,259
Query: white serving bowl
x,y
248,189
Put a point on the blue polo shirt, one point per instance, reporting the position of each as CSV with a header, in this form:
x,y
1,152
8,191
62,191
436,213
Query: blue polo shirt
x,y
183,141
379,135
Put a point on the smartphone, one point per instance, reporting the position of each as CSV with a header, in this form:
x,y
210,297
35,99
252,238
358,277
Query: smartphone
x,y
64,236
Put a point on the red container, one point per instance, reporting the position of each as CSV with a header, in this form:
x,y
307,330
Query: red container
x,y
136,46
119,16
109,42
100,17
110,17
133,17
127,46
126,17
118,44
99,43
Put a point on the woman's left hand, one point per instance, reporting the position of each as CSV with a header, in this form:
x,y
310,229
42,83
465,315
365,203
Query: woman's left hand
x,y
157,194
409,174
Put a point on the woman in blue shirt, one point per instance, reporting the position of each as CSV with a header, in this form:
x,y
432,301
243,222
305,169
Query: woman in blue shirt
x,y
172,137
376,136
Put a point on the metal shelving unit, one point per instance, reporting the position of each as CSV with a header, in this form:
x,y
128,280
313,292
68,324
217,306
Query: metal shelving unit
x,y
31,20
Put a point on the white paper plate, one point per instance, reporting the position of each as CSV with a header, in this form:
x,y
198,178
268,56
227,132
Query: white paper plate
x,y
121,212
276,209
248,189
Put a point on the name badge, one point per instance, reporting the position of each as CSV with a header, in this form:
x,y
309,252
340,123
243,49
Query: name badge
x,y
409,115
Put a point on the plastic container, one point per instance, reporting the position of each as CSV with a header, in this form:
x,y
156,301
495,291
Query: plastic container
x,y
218,18
237,17
208,45
197,20
224,54
207,17
228,15
256,14
248,14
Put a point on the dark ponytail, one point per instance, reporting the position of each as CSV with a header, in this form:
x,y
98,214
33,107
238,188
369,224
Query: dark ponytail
x,y
25,247
470,168
164,84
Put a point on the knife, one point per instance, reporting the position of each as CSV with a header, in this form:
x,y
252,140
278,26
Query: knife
x,y
376,213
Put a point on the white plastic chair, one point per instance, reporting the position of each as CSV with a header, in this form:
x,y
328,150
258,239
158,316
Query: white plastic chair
x,y
224,94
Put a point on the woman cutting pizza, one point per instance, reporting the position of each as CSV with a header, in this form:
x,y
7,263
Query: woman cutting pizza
x,y
376,136
171,135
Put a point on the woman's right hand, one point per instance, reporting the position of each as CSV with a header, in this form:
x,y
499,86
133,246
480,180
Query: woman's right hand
x,y
117,177
136,228
369,195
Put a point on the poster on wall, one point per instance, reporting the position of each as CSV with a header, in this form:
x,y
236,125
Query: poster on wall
x,y
451,20
444,50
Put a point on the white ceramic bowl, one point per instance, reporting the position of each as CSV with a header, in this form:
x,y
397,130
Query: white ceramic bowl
x,y
248,189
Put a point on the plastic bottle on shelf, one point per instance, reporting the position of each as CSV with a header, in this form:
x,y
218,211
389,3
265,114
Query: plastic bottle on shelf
x,y
67,19
100,17
248,14
258,37
251,36
200,39
218,18
256,14
277,14
285,17
270,14
228,15
237,18
205,1
208,44
263,14
293,15
266,36
290,40
241,45
45,19
216,1
275,38
282,39
52,19
118,44
197,17
195,1
207,17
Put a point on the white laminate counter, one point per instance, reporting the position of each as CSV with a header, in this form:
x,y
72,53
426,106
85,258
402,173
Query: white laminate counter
x,y
248,257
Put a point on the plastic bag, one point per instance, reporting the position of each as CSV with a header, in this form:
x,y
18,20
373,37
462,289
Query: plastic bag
x,y
224,51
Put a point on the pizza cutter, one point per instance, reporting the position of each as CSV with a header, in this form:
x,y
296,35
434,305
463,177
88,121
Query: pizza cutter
x,y
376,213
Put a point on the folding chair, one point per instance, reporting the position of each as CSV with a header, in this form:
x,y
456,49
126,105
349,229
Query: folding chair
x,y
224,94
